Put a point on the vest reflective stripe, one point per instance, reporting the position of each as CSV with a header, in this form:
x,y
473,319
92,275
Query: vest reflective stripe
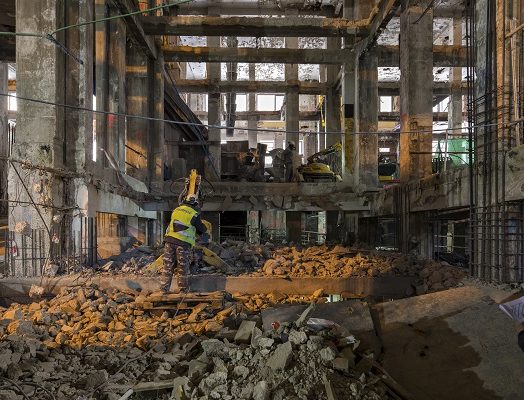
x,y
182,216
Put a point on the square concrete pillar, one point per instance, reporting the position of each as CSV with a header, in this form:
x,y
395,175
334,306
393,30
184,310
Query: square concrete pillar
x,y
294,226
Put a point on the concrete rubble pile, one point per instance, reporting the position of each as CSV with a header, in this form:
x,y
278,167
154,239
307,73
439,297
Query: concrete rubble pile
x,y
241,257
92,343
133,260
339,261
292,361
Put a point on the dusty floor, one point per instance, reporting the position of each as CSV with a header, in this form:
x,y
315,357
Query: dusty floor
x,y
455,344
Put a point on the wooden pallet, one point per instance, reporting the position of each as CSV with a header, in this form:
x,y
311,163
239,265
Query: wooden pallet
x,y
181,301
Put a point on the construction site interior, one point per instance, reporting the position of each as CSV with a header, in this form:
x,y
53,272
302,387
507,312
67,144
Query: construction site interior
x,y
357,165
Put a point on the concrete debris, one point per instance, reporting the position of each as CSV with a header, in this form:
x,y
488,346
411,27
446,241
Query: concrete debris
x,y
133,260
329,262
98,344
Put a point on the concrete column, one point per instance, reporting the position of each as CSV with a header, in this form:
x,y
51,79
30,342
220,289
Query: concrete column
x,y
294,226
138,100
349,100
366,169
102,80
455,105
292,97
4,145
416,89
252,122
157,144
39,137
332,98
213,112
116,126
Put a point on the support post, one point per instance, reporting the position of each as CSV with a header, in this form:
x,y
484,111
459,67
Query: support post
x,y
455,104
349,99
252,122
416,89
4,139
332,98
292,97
366,167
213,113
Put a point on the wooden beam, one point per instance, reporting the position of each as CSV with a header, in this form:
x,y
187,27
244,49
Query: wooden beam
x,y
388,56
250,26
135,27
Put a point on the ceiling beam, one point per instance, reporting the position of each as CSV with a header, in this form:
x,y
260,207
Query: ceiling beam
x,y
206,86
253,55
385,88
392,88
267,115
135,26
250,26
249,8
378,24
443,56
388,56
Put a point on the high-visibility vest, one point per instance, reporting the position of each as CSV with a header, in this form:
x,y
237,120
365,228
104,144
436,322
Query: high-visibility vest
x,y
182,216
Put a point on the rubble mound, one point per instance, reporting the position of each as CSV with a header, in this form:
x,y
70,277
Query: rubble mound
x,y
294,361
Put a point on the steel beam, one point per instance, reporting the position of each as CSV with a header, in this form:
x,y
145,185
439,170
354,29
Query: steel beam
x,y
250,26
388,56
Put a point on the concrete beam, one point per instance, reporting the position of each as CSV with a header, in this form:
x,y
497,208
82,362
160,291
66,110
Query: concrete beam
x,y
134,26
388,56
206,86
258,8
250,26
443,56
392,88
252,55
386,11
266,115
251,8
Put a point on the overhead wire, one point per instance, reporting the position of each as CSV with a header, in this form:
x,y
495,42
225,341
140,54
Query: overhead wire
x,y
51,35
222,127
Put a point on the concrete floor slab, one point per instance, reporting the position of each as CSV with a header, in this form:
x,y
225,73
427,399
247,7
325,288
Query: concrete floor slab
x,y
455,344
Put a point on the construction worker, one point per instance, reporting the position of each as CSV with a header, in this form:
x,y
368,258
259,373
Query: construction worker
x,y
289,156
180,238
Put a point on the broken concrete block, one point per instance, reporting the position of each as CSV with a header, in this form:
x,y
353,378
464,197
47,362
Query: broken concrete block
x,y
280,357
179,385
14,313
96,379
215,348
261,391
297,337
265,343
327,354
255,335
241,371
341,364
197,369
245,331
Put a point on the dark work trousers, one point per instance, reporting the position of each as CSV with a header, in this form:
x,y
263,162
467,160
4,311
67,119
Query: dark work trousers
x,y
176,261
